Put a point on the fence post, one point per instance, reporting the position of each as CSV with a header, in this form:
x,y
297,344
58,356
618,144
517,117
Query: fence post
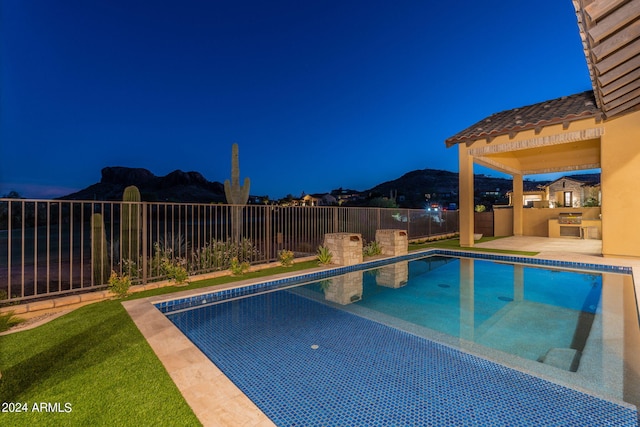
x,y
145,242
9,254
268,234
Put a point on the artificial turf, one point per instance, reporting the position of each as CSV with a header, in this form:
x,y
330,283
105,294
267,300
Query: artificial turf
x,y
93,367
89,367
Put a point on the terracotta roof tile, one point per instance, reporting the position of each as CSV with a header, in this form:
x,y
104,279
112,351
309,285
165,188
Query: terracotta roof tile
x,y
565,109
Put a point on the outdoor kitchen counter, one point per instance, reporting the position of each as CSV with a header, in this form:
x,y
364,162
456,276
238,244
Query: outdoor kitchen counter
x,y
586,229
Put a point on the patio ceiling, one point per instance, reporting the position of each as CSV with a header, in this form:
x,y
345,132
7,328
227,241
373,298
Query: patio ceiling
x,y
610,32
570,156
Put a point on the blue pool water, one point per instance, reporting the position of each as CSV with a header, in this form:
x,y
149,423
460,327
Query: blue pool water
x,y
326,354
551,307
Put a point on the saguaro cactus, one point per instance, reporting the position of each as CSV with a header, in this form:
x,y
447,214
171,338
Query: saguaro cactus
x,y
99,256
236,194
130,222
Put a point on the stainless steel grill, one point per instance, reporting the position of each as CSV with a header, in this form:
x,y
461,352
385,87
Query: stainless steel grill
x,y
570,218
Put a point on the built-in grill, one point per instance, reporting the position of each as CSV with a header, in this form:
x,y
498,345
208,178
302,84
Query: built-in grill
x,y
570,218
570,224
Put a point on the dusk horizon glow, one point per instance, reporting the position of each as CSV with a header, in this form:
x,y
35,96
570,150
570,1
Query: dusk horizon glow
x,y
318,96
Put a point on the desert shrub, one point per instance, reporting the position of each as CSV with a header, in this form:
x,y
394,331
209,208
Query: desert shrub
x,y
216,255
371,249
285,257
165,264
175,270
130,268
7,320
119,285
324,255
237,267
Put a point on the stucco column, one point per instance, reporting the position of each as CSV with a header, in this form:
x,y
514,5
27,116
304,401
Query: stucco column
x,y
517,205
465,196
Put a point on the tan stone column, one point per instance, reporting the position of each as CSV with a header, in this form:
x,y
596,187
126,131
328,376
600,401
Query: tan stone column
x,y
465,195
517,205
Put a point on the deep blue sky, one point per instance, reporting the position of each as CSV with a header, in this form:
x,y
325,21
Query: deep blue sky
x,y
318,94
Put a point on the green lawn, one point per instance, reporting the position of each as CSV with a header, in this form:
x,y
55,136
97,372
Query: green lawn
x,y
96,360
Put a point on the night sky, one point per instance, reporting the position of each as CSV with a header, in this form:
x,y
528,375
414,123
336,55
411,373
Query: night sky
x,y
318,94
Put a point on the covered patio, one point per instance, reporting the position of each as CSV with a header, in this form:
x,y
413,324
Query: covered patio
x,y
596,129
560,135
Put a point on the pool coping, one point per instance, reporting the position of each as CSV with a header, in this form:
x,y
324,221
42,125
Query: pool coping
x,y
214,398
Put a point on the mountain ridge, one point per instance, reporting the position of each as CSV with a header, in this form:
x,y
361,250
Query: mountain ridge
x,y
176,186
412,189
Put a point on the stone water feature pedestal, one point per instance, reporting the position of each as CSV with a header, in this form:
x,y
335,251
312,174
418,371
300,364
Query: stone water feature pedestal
x,y
393,242
345,247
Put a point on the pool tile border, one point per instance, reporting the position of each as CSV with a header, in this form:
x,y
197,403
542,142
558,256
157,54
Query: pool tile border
x,y
199,300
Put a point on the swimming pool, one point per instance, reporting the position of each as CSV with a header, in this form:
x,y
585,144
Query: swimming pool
x,y
347,350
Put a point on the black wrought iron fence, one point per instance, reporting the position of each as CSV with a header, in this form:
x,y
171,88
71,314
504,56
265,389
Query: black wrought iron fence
x,y
51,247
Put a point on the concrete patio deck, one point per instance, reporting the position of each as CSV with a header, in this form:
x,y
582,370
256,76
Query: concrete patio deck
x,y
546,245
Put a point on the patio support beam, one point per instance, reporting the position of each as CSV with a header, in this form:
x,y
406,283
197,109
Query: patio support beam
x,y
465,194
517,205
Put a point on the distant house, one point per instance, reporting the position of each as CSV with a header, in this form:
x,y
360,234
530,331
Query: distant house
x,y
309,200
571,192
318,200
565,192
258,200
346,195
531,198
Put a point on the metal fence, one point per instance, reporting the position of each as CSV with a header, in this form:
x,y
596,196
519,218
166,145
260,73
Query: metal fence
x,y
52,247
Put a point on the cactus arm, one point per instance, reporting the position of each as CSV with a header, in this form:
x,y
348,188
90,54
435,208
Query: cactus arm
x,y
245,190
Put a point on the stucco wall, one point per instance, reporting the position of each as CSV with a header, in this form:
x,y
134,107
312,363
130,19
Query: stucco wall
x,y
620,186
502,221
536,221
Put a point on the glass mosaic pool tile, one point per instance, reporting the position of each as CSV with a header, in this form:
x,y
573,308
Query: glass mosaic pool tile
x,y
305,363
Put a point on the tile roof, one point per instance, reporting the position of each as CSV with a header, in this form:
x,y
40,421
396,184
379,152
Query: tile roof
x,y
560,110
610,33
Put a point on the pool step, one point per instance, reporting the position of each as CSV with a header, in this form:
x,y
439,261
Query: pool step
x,y
563,358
